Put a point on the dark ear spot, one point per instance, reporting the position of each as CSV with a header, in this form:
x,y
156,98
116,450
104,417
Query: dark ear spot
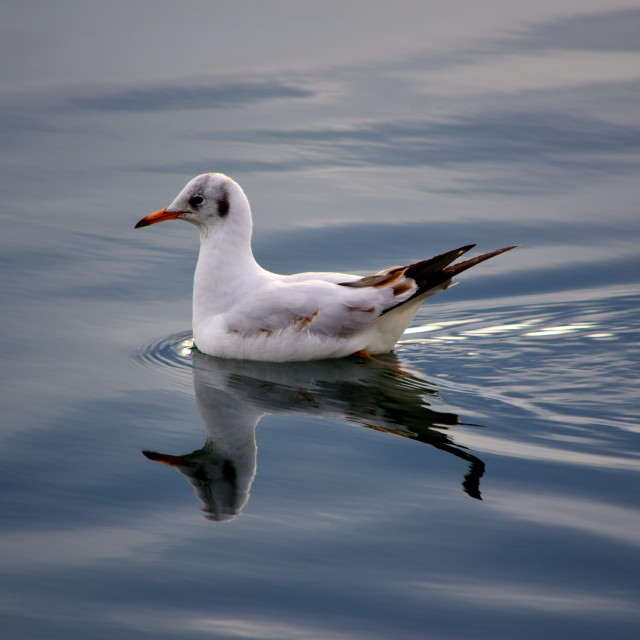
x,y
223,203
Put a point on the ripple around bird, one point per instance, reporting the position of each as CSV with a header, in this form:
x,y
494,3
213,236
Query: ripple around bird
x,y
173,350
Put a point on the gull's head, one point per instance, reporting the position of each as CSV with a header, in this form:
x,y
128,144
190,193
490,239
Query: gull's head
x,y
211,200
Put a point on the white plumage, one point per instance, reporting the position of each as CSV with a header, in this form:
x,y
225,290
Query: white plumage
x,y
241,310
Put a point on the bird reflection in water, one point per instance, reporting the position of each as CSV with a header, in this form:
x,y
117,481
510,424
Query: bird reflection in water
x,y
233,395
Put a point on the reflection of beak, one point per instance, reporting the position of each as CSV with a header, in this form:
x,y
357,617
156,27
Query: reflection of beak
x,y
158,216
165,458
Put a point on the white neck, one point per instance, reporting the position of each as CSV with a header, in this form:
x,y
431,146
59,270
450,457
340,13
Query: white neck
x,y
224,254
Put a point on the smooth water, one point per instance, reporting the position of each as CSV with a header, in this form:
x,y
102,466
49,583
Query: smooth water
x,y
480,482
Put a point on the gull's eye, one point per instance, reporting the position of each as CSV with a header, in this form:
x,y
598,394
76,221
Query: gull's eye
x,y
196,201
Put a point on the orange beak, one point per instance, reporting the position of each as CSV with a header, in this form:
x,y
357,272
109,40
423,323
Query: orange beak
x,y
158,216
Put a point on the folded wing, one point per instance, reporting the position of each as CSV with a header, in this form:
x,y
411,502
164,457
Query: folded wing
x,y
318,304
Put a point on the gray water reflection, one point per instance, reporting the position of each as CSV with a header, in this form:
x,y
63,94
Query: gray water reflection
x,y
233,396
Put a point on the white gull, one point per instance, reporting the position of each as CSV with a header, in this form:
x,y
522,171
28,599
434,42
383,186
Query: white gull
x,y
241,310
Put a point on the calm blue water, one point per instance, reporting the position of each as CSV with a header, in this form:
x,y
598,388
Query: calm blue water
x,y
481,482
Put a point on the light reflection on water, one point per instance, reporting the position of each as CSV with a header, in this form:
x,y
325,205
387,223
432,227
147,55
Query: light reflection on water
x,y
532,327
556,330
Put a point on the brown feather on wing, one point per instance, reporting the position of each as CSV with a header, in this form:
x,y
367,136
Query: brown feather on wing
x,y
380,279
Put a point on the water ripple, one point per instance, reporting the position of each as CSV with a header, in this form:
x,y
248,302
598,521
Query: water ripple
x,y
172,351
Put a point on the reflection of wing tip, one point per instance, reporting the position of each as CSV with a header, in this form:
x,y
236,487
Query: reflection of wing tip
x,y
471,481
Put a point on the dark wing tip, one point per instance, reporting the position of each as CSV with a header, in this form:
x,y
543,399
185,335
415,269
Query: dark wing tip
x,y
421,270
455,269
437,271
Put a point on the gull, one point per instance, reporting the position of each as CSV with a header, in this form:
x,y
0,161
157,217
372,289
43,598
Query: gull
x,y
243,311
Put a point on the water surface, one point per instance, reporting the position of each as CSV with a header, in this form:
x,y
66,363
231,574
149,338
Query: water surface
x,y
480,482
